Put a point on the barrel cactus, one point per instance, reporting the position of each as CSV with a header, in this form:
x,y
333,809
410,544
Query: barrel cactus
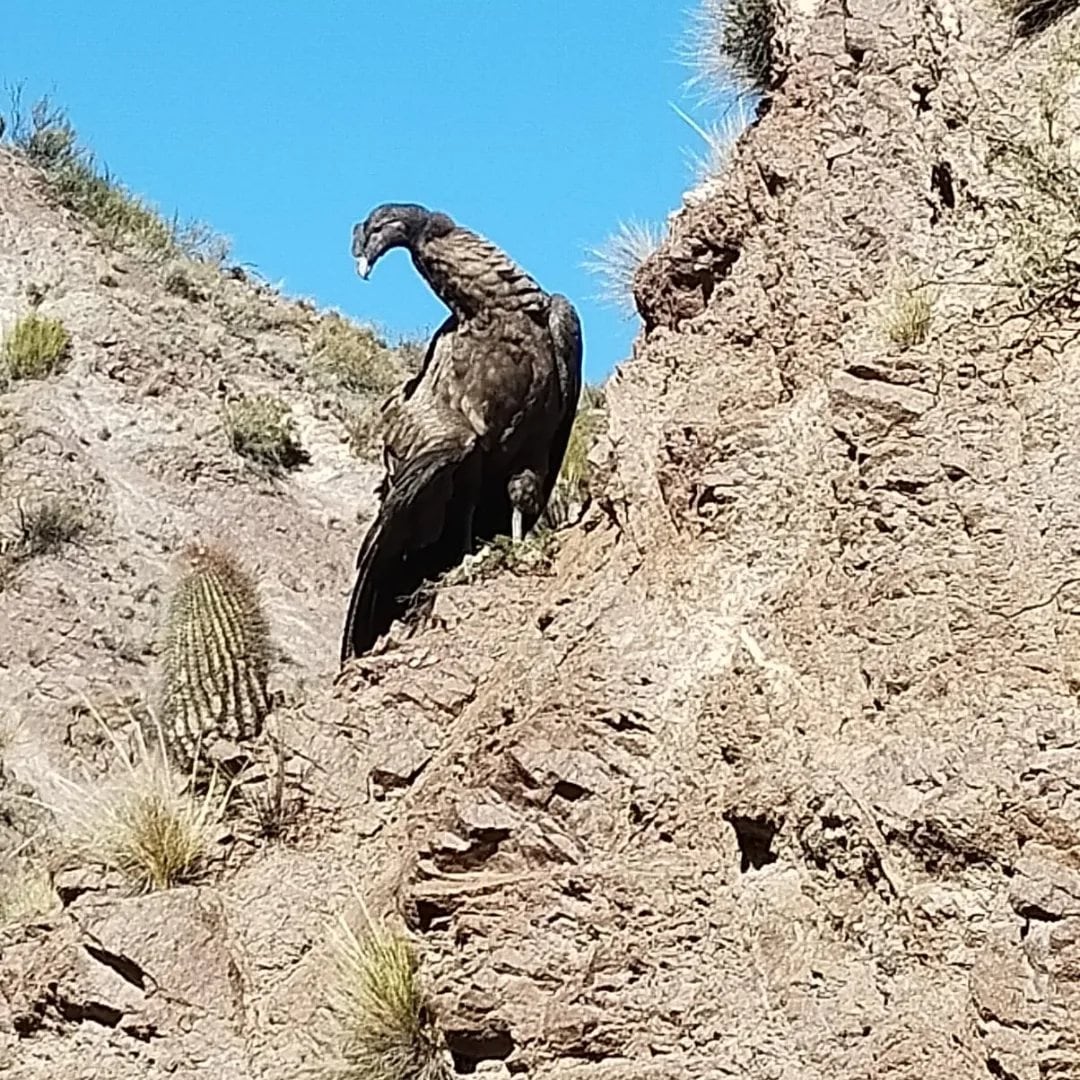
x,y
216,656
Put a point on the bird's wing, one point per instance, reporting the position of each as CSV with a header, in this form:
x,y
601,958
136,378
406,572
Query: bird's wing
x,y
407,423
418,534
448,326
566,338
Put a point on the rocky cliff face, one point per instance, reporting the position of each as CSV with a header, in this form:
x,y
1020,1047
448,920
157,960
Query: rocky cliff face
x,y
776,770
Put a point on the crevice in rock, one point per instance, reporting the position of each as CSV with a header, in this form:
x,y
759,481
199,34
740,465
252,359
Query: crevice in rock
x,y
941,183
1038,15
754,836
124,966
995,1068
566,789
469,1048
76,1012
429,917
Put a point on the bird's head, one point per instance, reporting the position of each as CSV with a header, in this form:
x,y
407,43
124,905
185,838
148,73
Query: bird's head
x,y
393,225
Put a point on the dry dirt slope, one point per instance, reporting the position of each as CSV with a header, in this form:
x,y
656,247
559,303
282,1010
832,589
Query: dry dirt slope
x,y
778,775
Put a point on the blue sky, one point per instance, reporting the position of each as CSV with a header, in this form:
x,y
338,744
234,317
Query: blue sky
x,y
541,125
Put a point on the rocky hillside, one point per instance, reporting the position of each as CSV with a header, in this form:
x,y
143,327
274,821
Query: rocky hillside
x,y
772,767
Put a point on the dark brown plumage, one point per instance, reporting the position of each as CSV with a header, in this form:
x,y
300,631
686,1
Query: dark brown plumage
x,y
473,443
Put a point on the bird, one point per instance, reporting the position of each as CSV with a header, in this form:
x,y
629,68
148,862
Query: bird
x,y
473,442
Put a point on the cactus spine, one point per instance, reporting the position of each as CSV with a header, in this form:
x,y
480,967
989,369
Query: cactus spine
x,y
216,656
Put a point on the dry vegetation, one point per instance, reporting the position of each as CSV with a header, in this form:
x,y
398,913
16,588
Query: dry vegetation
x,y
352,358
616,260
48,524
261,429
33,348
47,138
730,45
384,1028
26,893
145,820
907,315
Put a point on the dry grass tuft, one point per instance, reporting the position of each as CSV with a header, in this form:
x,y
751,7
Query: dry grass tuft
x,y
730,44
908,314
26,894
616,261
352,358
46,526
145,821
719,138
385,1029
34,347
47,138
262,430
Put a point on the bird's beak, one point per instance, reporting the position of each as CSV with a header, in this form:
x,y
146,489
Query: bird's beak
x,y
363,267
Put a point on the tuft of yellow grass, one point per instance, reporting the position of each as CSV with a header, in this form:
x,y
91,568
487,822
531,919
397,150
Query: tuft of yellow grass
x,y
908,314
146,821
34,347
384,1027
26,894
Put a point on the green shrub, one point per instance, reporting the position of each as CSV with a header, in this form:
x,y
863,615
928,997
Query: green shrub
x,y
261,429
34,347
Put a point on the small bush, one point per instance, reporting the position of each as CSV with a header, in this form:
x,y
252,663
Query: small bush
x,y
146,822
731,44
1042,250
616,260
384,1026
352,357
261,429
908,314
35,347
48,525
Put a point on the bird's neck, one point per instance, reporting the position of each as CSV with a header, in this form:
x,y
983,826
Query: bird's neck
x,y
469,274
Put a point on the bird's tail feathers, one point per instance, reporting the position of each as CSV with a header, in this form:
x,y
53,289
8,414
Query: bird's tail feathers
x,y
411,515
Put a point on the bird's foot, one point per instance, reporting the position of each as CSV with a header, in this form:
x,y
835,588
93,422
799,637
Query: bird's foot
x,y
515,527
